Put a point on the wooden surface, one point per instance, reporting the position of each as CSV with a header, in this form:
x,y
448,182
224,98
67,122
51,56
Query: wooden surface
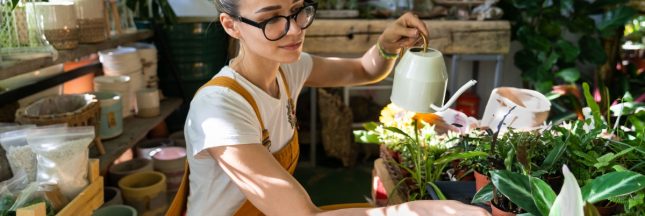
x,y
134,130
388,183
10,68
353,36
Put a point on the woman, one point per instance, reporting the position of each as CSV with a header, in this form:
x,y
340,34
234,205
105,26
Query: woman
x,y
241,129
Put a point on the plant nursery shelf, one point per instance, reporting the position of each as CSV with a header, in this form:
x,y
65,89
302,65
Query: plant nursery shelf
x,y
134,130
10,68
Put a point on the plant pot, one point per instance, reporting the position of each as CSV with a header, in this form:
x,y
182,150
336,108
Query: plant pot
x,y
607,208
462,191
145,147
121,210
146,192
498,212
112,196
118,171
480,180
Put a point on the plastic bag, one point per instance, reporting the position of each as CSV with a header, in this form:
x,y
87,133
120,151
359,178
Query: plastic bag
x,y
62,155
8,191
20,157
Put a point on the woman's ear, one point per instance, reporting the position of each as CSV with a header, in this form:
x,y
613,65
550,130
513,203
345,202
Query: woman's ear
x,y
229,25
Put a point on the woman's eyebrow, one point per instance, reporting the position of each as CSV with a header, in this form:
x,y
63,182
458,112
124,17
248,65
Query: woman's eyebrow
x,y
272,8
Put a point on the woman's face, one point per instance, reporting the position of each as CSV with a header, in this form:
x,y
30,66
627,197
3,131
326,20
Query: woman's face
x,y
284,50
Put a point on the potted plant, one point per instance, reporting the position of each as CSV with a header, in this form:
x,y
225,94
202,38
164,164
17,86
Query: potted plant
x,y
418,149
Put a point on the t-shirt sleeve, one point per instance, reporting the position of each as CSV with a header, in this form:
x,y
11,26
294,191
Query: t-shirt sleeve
x,y
298,72
220,117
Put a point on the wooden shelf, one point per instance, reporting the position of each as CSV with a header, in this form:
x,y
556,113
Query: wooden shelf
x,y
10,68
134,130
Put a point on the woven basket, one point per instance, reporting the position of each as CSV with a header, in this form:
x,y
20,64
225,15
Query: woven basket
x,y
395,171
74,110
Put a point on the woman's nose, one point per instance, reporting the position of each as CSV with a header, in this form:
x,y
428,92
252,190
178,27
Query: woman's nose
x,y
294,29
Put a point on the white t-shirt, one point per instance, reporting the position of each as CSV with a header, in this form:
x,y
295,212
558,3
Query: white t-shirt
x,y
219,116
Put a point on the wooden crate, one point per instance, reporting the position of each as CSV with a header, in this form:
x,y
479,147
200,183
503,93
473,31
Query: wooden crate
x,y
355,36
85,202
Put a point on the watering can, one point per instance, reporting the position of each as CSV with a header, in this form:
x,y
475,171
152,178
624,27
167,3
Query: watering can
x,y
420,81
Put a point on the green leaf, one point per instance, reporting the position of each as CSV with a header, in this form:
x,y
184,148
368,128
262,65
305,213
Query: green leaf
x,y
525,60
531,40
591,103
543,195
550,29
399,131
582,24
462,155
566,7
522,4
591,50
554,155
569,201
568,50
544,86
613,184
362,136
370,125
484,195
609,157
437,191
615,19
516,187
570,75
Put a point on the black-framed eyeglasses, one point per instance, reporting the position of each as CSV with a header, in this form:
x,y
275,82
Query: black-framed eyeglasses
x,y
277,27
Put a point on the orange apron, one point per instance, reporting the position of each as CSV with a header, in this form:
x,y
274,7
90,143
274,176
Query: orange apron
x,y
287,156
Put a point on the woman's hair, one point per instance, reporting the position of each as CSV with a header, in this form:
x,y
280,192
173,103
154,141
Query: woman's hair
x,y
230,7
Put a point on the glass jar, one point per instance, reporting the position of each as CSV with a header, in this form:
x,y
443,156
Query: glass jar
x,y
91,20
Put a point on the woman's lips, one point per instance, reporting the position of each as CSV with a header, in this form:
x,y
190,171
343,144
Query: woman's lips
x,y
293,46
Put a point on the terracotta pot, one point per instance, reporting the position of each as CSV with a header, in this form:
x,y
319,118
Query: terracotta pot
x,y
480,180
499,212
605,208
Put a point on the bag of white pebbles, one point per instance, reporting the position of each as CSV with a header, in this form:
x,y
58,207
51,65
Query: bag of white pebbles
x,y
62,155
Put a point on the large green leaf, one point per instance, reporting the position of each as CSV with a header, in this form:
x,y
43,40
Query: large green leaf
x,y
582,24
591,50
531,40
550,29
525,60
543,195
462,155
613,184
615,19
570,75
554,155
516,187
567,50
399,131
569,201
484,195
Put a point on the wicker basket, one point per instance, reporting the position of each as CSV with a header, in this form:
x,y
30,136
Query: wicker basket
x,y
74,110
389,159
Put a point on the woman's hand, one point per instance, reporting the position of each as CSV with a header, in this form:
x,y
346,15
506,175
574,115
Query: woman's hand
x,y
404,32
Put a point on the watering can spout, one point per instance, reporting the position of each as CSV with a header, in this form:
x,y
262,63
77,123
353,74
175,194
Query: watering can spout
x,y
454,97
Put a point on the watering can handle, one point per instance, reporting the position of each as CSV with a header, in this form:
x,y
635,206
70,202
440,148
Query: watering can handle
x,y
454,97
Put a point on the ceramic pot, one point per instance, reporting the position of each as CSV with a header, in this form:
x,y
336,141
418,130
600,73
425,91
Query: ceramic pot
x,y
146,192
498,212
112,196
480,180
147,146
113,210
137,165
111,120
171,162
531,109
